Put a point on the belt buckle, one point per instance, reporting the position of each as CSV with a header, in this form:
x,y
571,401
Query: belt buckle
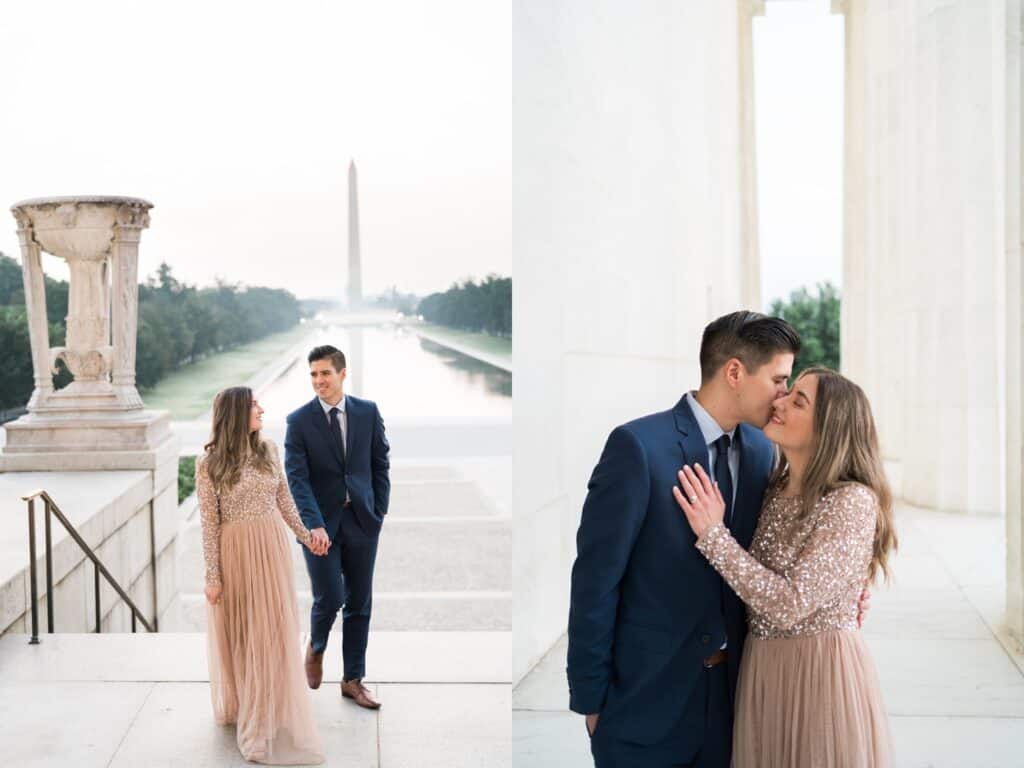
x,y
714,659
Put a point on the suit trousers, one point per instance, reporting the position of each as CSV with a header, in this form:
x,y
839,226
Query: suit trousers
x,y
343,580
709,701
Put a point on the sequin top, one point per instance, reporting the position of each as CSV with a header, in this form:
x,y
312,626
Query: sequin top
x,y
804,580
256,493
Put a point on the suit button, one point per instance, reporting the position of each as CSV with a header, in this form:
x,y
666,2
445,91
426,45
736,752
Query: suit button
x,y
705,639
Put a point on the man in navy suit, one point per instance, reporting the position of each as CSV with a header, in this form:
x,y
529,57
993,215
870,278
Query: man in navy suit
x,y
655,634
336,458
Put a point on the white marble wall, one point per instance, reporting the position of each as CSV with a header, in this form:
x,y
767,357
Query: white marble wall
x,y
925,220
630,215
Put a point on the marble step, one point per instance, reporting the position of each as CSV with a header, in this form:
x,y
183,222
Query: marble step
x,y
392,611
414,555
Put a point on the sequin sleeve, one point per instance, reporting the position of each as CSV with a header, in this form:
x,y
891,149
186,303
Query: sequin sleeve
x,y
285,503
836,554
209,516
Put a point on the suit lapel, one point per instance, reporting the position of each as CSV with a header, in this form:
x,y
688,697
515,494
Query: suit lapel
x,y
691,439
316,413
350,415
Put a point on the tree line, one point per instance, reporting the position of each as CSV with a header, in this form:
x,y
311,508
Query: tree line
x,y
482,307
816,319
178,324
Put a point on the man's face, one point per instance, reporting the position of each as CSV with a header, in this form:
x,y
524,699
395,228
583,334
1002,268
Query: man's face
x,y
758,390
326,381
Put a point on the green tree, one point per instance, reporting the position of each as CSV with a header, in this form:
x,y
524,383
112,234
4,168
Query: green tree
x,y
186,477
11,285
485,307
16,377
816,318
15,359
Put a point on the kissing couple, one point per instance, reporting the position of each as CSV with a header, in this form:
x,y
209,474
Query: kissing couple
x,y
722,560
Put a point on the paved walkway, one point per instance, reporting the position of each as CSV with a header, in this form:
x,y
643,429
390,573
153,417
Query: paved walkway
x,y
123,700
953,682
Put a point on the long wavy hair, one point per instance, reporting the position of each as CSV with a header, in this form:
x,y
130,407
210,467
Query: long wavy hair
x,y
231,443
844,449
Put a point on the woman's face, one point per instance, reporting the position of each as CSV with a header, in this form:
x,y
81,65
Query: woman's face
x,y
255,416
791,426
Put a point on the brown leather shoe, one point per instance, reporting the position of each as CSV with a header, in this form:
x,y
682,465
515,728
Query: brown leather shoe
x,y
314,667
355,690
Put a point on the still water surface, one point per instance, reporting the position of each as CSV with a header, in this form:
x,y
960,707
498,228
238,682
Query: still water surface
x,y
410,379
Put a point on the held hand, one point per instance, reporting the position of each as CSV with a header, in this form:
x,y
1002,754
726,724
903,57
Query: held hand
x,y
863,605
213,593
318,542
699,498
592,723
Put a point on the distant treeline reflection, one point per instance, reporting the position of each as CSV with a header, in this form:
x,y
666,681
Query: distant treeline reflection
x,y
495,380
484,307
178,324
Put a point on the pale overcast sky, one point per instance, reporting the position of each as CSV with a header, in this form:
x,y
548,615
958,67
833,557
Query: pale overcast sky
x,y
238,119
798,55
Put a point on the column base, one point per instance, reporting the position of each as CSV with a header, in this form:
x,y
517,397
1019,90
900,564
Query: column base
x,y
95,441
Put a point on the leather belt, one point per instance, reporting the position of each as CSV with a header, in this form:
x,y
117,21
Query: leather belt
x,y
716,658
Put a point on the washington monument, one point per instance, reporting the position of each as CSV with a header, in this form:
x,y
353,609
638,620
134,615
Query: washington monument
x,y
355,274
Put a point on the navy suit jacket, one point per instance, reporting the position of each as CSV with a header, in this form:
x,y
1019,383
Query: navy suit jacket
x,y
646,606
318,475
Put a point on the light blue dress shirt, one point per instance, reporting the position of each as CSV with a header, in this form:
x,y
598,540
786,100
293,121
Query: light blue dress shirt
x,y
711,431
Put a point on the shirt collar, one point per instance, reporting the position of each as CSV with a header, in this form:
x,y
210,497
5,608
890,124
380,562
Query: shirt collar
x,y
327,406
708,426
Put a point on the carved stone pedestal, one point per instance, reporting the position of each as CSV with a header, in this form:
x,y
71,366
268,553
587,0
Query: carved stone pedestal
x,y
97,421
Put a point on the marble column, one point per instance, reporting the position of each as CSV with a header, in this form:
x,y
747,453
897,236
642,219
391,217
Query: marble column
x,y
749,225
923,304
124,310
621,196
1014,322
35,307
954,298
855,337
876,214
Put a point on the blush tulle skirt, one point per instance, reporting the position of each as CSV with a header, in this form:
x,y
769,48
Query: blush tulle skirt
x,y
811,701
257,680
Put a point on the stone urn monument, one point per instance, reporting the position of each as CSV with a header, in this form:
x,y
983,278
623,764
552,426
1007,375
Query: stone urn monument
x,y
98,421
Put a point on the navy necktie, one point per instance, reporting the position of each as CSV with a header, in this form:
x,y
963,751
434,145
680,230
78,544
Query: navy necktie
x,y
723,476
336,432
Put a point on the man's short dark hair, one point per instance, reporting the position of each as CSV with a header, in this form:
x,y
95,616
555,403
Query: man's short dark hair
x,y
750,337
327,352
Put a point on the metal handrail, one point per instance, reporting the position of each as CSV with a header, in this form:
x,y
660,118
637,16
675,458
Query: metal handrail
x,y
51,507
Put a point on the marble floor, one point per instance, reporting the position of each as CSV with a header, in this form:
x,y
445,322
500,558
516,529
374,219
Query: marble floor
x,y
133,700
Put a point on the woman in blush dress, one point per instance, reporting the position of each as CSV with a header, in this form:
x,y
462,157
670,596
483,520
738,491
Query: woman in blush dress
x,y
808,693
256,675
